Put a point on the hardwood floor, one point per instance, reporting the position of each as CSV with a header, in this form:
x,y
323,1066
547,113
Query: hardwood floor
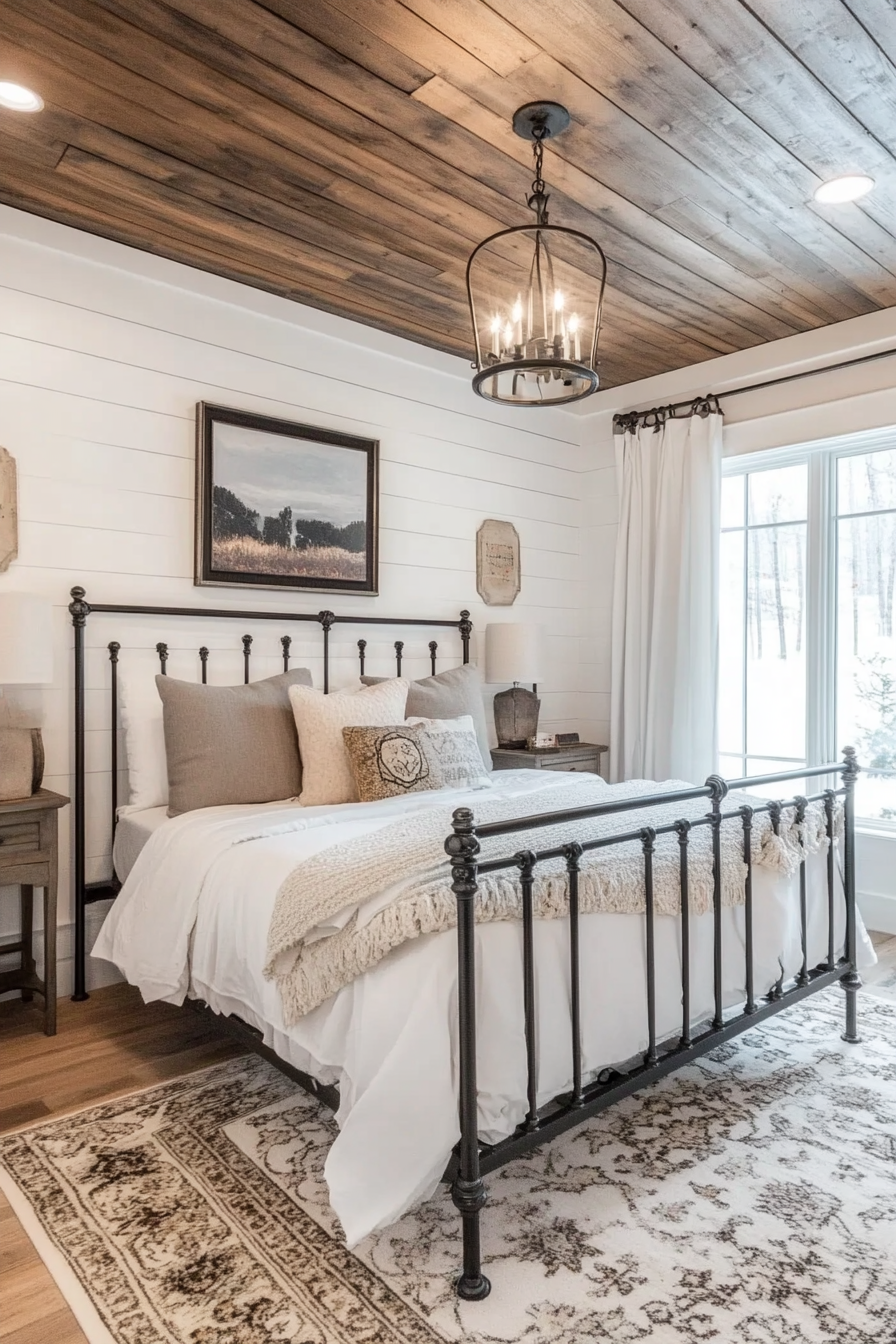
x,y
111,1045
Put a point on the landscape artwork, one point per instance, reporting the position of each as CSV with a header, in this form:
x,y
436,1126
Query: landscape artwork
x,y
282,505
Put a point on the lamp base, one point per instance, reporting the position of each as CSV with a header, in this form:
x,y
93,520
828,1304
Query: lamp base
x,y
516,717
21,763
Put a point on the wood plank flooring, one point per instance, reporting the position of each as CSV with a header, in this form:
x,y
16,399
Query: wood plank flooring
x,y
111,1045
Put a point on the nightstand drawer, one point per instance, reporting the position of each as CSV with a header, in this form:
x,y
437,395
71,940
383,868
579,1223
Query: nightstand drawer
x,y
17,836
587,764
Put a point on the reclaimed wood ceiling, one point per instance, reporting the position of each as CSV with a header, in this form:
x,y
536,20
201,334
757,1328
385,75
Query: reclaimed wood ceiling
x,y
350,153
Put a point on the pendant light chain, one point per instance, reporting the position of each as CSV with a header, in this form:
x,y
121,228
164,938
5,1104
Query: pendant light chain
x,y
538,201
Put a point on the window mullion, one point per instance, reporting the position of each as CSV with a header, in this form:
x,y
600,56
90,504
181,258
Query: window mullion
x,y
820,611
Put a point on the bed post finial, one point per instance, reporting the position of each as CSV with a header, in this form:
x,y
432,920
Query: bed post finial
x,y
468,1191
851,981
78,608
465,626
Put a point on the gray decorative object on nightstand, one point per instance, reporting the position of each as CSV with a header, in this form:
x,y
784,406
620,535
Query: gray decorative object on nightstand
x,y
581,756
515,651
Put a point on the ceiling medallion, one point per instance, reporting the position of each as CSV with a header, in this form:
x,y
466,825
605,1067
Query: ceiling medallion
x,y
535,294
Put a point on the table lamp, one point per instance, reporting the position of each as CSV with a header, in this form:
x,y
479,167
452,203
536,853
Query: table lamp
x,y
515,651
26,659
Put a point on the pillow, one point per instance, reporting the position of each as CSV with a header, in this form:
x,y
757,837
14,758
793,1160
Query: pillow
x,y
446,696
320,719
230,744
410,758
144,740
464,724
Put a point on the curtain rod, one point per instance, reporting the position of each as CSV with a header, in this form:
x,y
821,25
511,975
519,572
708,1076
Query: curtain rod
x,y
702,404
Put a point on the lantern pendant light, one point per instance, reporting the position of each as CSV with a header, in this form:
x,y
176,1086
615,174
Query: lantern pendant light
x,y
535,293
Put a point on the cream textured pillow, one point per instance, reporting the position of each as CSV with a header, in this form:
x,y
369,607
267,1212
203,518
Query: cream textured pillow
x,y
412,758
320,719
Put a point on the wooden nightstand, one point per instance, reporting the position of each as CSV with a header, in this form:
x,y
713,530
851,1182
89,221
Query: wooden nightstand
x,y
29,858
584,756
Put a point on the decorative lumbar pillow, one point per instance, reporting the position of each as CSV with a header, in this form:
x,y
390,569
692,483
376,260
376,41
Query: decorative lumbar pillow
x,y
320,719
230,744
447,695
144,740
387,762
452,749
413,758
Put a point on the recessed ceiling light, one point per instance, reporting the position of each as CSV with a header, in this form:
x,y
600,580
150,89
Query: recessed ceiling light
x,y
20,99
841,189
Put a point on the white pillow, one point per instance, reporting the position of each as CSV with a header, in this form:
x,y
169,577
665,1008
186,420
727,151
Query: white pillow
x,y
326,772
463,724
457,761
140,707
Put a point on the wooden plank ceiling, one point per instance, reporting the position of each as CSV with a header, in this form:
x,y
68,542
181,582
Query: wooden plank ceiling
x,y
350,153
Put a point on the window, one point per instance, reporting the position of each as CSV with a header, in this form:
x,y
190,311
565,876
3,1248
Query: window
x,y
807,647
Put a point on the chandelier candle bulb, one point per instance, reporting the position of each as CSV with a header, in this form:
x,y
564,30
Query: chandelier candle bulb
x,y
558,308
496,335
518,319
573,329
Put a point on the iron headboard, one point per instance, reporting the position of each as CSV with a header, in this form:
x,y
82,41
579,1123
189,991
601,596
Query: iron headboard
x,y
88,892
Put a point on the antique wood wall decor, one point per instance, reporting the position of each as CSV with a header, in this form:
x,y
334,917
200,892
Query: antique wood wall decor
x,y
9,511
497,563
350,155
281,505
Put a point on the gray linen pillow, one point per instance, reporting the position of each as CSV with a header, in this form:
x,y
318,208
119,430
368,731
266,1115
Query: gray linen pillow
x,y
230,744
448,695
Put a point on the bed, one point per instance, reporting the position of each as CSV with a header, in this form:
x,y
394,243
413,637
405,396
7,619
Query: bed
x,y
461,1047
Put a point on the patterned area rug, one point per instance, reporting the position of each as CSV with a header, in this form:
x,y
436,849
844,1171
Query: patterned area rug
x,y
749,1199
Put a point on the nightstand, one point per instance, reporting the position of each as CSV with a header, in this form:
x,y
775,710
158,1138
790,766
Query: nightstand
x,y
29,858
584,756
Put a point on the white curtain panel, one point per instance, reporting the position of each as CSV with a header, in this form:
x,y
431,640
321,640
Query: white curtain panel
x,y
663,712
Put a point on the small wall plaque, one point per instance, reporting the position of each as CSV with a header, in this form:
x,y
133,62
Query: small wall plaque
x,y
9,522
497,563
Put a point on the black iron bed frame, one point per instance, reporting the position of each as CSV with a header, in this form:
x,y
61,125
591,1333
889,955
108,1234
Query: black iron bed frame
x,y
472,1159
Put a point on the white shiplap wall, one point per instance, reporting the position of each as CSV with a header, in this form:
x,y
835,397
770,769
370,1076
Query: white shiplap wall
x,y
104,353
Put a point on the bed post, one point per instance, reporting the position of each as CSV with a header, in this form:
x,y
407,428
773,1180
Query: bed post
x,y
79,611
326,619
465,626
468,1191
851,981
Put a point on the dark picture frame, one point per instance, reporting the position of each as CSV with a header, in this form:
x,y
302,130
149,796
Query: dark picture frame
x,y
247,465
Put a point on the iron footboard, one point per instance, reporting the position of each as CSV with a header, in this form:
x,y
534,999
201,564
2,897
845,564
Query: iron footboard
x,y
474,1160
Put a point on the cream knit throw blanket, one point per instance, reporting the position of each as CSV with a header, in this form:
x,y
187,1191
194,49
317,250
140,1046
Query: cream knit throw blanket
x,y
408,861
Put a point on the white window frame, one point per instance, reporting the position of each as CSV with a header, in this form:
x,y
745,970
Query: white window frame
x,y
822,457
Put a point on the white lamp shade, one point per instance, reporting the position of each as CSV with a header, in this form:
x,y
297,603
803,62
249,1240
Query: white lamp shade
x,y
26,640
515,651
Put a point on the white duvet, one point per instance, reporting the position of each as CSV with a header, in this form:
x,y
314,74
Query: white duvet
x,y
192,919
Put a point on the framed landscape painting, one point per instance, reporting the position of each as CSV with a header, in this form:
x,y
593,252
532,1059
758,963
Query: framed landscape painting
x,y
280,505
